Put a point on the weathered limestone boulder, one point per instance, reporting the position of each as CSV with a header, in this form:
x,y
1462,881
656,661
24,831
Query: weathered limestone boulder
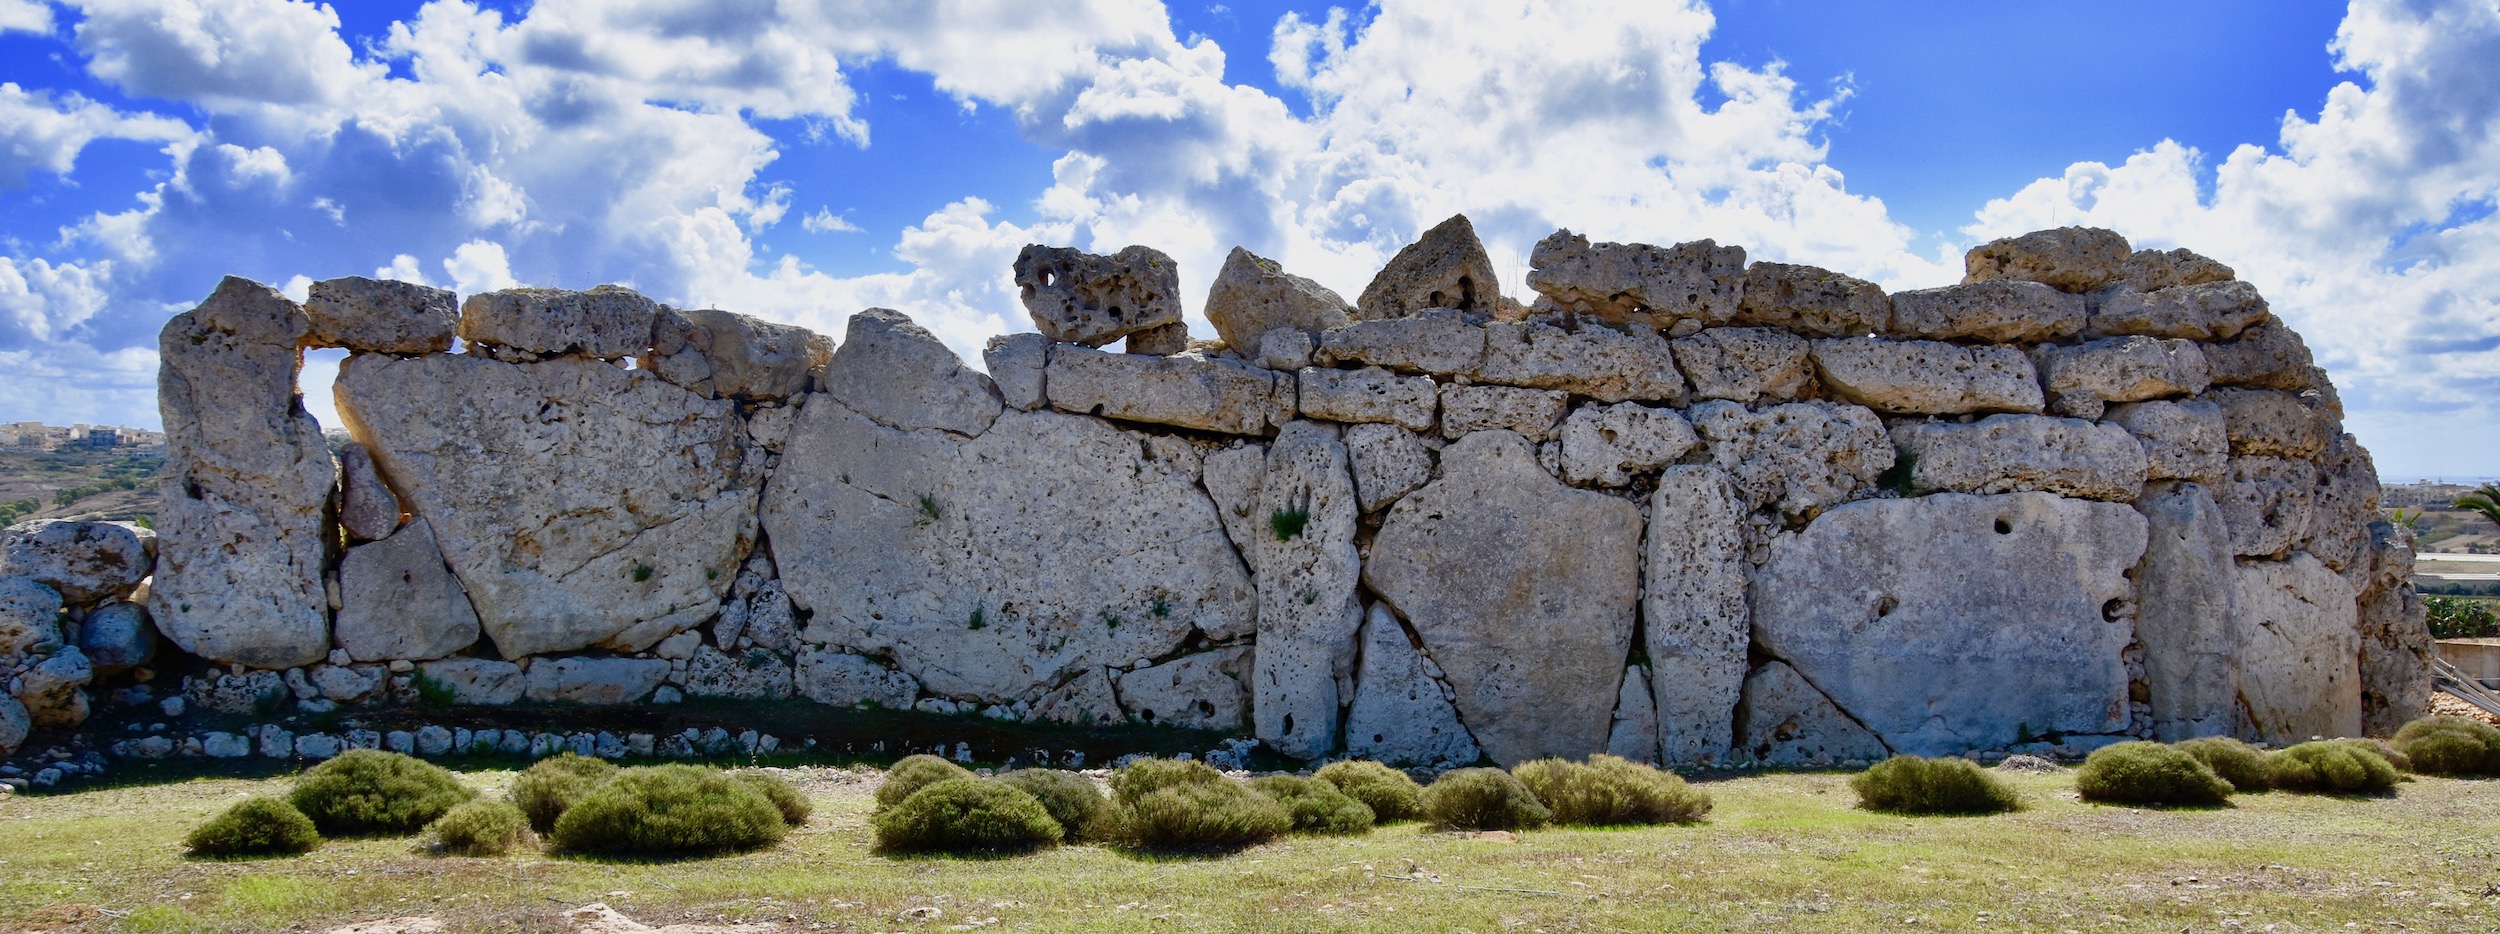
x,y
1783,721
607,322
1594,361
368,510
1368,395
1637,283
1253,295
750,674
2015,453
2003,311
2203,312
2154,270
243,532
1077,297
2085,377
1745,364
1232,477
117,637
52,690
1187,390
1435,341
1388,462
718,354
998,566
1285,349
580,504
1531,413
592,681
2396,646
2182,440
1606,444
2341,513
2267,423
477,681
15,723
1445,268
1401,715
398,601
1927,377
2266,356
2183,614
2024,632
1693,597
345,684
896,372
381,316
1086,699
841,679
1016,363
1200,691
1801,456
1158,341
2069,259
1308,572
30,615
2300,649
1812,301
83,561
1634,735
1523,589
233,693
2268,503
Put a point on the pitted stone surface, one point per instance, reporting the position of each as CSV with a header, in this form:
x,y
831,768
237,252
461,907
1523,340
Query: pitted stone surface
x,y
2268,501
1928,377
1370,394
1308,573
2154,270
1187,391
1812,301
1693,599
1638,283
1605,445
1161,341
2181,440
841,679
368,510
723,355
1530,413
381,316
53,689
1232,477
1522,589
2121,369
1435,341
2396,646
2183,618
1400,714
2069,259
2346,504
1389,462
1799,457
2266,356
398,601
1087,699
606,322
894,371
1594,361
2016,453
2300,649
592,681
1253,295
2038,597
2205,311
83,561
2266,423
1996,310
752,674
1783,721
1745,364
1016,363
1077,297
117,637
1634,735
1445,268
477,681
30,615
1200,691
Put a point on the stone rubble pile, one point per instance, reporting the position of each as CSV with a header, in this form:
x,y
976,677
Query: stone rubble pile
x,y
1677,506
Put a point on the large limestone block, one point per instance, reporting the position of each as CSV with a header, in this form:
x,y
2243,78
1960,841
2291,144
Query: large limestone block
x,y
607,322
53,689
1800,457
1812,301
484,682
30,615
1637,283
1253,295
749,674
1388,461
2268,502
1595,361
243,531
1077,297
896,372
1441,342
1523,589
1927,377
2069,259
2182,440
2015,453
725,355
398,601
999,566
1954,622
841,679
1308,573
381,316
2268,423
1783,721
1605,445
580,504
1187,390
1531,413
2346,504
2154,270
2183,614
117,637
1634,735
1745,364
1445,268
2396,646
1086,700
2203,312
1693,599
2266,356
2086,376
1016,363
1200,691
1232,477
83,561
592,681
1401,715
368,510
2003,311
14,725
2300,649
1368,395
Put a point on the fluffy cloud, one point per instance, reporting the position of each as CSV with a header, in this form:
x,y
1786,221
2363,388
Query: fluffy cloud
x,y
33,16
44,132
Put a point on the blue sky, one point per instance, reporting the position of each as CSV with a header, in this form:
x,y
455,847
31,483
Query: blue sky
x,y
800,161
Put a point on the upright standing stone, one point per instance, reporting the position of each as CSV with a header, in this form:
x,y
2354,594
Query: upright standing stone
x,y
2300,649
243,533
368,510
2183,614
1307,572
2396,646
1693,597
1635,733
1400,714
398,601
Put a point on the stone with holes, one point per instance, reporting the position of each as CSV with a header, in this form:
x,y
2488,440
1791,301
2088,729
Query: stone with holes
x,y
1200,691
1084,298
1401,715
1637,283
1445,268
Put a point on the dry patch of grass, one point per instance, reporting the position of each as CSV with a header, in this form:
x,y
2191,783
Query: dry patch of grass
x,y
1777,853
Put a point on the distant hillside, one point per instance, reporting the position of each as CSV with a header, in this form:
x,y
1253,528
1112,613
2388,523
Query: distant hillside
x,y
78,483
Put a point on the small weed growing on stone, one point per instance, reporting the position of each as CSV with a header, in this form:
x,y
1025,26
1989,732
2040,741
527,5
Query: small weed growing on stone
x,y
432,692
976,623
642,572
1110,619
1162,609
928,509
1897,477
1287,523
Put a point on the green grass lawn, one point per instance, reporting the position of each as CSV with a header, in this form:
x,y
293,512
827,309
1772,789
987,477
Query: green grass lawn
x,y
1779,853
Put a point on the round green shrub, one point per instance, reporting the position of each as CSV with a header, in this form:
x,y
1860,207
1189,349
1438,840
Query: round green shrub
x,y
2241,764
1919,785
915,773
670,810
545,789
1482,799
480,827
1071,799
1316,806
793,806
1147,776
2382,749
1611,791
2450,745
368,791
1212,817
256,826
2330,767
965,815
1390,794
2141,772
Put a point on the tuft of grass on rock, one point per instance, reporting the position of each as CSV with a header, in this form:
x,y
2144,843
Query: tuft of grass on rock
x,y
1482,799
480,827
1317,806
1071,799
914,773
1390,794
2450,745
793,806
1611,791
2330,767
2241,764
2149,773
256,826
1919,785
670,810
549,786
965,815
371,792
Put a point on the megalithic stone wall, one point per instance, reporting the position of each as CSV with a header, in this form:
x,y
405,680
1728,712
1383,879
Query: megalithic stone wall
x,y
1674,505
